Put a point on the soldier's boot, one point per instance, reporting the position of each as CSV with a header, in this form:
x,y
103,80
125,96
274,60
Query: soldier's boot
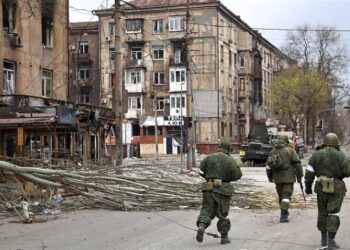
x,y
225,239
284,216
331,242
200,232
324,238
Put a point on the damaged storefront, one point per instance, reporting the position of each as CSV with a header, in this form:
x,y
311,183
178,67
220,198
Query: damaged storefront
x,y
41,132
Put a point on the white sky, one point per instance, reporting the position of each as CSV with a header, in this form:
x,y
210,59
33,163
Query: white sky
x,y
262,14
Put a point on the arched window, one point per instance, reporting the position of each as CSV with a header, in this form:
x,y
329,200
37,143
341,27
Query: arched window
x,y
241,62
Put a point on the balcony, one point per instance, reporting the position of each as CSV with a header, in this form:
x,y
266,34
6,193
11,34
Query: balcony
x,y
134,37
135,87
134,113
83,57
134,63
176,62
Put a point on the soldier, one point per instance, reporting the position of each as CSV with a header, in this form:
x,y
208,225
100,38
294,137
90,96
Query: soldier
x,y
282,166
330,166
218,169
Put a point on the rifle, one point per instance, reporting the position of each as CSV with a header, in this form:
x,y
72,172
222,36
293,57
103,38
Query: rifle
x,y
301,186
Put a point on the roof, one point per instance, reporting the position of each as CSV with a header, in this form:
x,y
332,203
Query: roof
x,y
154,3
27,118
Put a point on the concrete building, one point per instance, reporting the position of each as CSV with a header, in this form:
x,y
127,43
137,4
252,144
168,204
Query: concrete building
x,y
84,73
220,91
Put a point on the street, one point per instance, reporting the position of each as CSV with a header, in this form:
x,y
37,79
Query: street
x,y
104,229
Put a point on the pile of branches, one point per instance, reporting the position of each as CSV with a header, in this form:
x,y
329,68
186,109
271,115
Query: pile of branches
x,y
136,186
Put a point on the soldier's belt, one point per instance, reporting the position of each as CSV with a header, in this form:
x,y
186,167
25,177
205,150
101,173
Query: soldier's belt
x,y
326,183
210,184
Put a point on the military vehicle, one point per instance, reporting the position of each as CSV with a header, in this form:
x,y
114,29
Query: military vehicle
x,y
255,149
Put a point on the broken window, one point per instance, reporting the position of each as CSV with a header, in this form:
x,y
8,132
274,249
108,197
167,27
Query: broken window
x,y
84,47
9,71
47,22
160,104
46,80
111,54
84,95
84,70
9,15
136,53
158,78
158,52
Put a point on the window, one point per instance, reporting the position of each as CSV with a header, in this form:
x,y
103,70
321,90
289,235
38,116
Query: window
x,y
176,23
222,52
46,81
83,70
134,25
222,24
9,16
241,84
136,53
47,31
178,75
241,62
231,130
84,95
158,52
157,26
158,78
134,102
9,71
235,59
111,29
135,76
159,104
84,47
111,54
175,102
179,55
222,129
230,58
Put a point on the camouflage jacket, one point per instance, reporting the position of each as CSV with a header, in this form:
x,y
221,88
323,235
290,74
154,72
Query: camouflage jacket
x,y
331,163
221,166
291,164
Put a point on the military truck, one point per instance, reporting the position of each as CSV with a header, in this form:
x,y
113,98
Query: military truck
x,y
255,149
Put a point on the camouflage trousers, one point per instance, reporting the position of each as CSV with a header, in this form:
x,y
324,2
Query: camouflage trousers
x,y
215,204
328,209
284,191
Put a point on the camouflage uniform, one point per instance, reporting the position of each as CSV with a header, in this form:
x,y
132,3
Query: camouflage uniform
x,y
221,166
328,161
284,175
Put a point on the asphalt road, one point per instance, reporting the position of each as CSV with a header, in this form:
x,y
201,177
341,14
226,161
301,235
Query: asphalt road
x,y
103,229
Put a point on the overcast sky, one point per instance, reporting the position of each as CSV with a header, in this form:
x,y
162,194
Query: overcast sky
x,y
261,14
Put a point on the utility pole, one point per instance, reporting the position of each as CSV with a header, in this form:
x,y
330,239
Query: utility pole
x,y
156,123
118,87
191,132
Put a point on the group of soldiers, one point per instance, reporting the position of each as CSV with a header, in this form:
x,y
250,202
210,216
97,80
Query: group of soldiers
x,y
328,165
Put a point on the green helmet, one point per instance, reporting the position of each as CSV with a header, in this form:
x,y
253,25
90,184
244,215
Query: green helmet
x,y
225,145
283,139
331,139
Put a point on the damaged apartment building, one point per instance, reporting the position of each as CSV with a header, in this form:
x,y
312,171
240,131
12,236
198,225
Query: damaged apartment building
x,y
217,81
37,123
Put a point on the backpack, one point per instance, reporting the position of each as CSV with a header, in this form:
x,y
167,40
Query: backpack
x,y
274,161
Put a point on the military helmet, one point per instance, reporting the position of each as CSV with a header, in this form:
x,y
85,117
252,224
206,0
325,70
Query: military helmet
x,y
331,139
225,145
283,139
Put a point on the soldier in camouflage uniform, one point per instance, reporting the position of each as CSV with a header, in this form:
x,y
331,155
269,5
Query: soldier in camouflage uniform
x,y
218,169
329,165
282,166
